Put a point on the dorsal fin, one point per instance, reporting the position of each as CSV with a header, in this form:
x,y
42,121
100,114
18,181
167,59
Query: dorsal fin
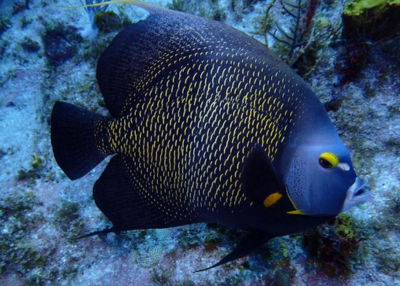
x,y
138,56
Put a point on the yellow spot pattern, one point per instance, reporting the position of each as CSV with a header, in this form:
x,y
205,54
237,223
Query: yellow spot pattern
x,y
188,134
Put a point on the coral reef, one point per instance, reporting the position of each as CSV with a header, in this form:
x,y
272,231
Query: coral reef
x,y
153,257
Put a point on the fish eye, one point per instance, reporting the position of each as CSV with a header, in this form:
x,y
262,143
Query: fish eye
x,y
328,160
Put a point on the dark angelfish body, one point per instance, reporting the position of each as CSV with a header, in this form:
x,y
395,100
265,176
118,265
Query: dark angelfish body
x,y
207,126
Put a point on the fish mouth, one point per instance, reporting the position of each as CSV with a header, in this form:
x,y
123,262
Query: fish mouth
x,y
357,194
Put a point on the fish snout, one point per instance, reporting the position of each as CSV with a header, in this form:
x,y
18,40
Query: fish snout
x,y
356,194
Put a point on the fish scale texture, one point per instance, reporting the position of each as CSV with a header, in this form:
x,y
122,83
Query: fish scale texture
x,y
194,107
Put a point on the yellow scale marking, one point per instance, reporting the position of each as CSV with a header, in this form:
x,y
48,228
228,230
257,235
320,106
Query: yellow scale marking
x,y
186,180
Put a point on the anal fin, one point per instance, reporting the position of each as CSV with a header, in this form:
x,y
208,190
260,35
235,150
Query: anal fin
x,y
249,243
117,195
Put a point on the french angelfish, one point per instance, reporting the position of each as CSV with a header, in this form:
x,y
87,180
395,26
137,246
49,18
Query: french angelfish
x,y
206,125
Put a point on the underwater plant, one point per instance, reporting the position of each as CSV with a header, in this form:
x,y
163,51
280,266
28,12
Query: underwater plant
x,y
211,9
177,5
297,36
332,245
92,10
107,21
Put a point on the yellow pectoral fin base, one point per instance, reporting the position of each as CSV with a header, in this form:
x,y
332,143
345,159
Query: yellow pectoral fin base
x,y
272,199
296,212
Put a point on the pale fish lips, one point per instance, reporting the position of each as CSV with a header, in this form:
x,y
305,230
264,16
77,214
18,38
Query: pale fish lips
x,y
356,194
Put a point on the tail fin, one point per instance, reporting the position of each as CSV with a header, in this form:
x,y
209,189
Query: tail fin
x,y
73,139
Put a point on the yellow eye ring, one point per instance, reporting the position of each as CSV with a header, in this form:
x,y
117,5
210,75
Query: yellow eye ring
x,y
328,160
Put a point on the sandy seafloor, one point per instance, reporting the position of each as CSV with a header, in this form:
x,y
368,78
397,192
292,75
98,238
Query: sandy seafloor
x,y
41,209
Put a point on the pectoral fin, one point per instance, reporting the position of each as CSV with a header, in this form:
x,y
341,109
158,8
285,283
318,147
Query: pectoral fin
x,y
260,181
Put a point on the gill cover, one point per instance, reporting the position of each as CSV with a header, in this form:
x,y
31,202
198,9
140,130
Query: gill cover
x,y
320,178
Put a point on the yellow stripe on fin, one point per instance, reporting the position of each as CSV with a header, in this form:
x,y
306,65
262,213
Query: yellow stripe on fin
x,y
296,212
272,199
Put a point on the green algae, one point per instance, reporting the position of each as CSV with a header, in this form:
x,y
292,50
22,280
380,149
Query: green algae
x,y
177,5
68,220
161,277
345,228
334,247
36,161
107,21
357,7
17,216
188,237
209,9
33,173
5,24
376,20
